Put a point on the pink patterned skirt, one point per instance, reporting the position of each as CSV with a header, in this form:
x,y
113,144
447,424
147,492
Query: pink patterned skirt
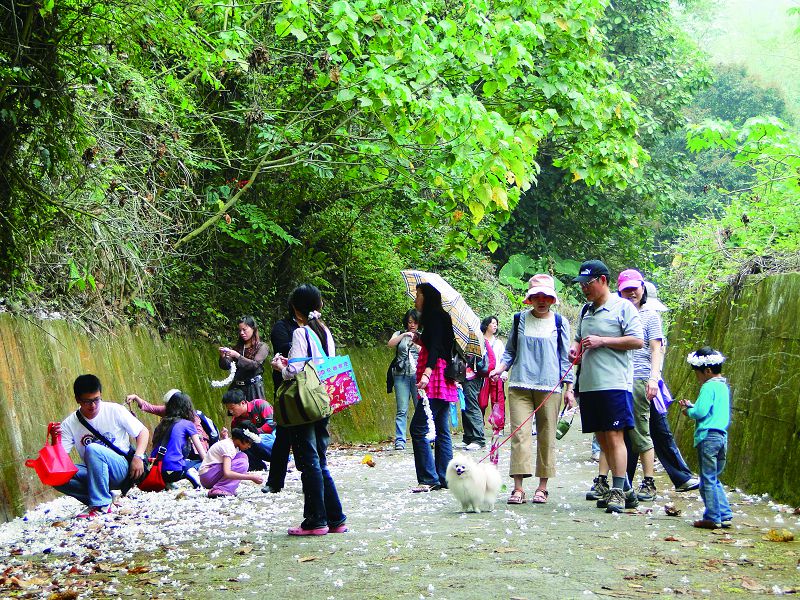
x,y
439,386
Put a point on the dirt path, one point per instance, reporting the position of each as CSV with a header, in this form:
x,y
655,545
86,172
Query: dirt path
x,y
401,545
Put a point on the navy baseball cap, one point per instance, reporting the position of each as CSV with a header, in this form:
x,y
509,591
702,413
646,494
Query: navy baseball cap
x,y
591,269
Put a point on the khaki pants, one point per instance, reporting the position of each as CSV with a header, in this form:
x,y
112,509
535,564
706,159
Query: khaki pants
x,y
521,404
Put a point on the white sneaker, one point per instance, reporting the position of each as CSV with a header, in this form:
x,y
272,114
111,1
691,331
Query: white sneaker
x,y
690,484
473,446
459,445
194,477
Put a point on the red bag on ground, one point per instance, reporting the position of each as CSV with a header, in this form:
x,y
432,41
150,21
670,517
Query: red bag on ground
x,y
154,480
53,466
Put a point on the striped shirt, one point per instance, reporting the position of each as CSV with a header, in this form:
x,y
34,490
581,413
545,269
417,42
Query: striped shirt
x,y
653,330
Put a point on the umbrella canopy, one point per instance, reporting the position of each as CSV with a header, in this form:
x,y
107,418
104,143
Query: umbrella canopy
x,y
466,324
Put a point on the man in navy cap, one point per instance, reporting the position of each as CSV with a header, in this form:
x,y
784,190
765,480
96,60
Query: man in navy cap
x,y
608,329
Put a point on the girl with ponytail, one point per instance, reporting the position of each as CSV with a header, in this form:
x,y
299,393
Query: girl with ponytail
x,y
323,509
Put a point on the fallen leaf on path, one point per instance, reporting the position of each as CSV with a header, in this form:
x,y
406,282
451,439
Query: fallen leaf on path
x,y
784,535
367,460
16,552
752,585
671,510
305,559
244,550
139,570
672,538
65,595
58,524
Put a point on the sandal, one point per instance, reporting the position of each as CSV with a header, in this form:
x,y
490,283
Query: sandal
x,y
540,497
516,497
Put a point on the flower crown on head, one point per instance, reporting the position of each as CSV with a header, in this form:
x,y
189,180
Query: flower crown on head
x,y
253,437
705,361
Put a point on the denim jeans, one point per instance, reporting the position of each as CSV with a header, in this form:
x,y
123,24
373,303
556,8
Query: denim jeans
x,y
431,467
665,449
405,387
472,416
92,484
258,454
322,505
279,460
711,454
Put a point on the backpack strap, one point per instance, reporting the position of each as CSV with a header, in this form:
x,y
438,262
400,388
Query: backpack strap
x,y
559,343
515,331
308,342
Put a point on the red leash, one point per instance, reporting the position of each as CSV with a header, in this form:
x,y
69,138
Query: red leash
x,y
560,381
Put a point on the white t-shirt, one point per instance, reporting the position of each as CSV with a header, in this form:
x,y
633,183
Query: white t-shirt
x,y
218,452
116,423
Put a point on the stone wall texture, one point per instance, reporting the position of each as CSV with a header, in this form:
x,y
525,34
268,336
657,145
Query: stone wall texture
x,y
758,328
39,361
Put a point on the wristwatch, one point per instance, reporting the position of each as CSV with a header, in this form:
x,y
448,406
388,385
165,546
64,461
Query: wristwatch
x,y
139,456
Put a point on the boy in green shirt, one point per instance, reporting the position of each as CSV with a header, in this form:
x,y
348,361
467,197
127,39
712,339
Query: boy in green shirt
x,y
712,411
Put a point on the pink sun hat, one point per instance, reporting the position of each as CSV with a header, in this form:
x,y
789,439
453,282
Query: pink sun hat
x,y
541,284
629,278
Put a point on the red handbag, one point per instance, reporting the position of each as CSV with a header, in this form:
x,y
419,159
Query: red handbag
x,y
53,465
153,481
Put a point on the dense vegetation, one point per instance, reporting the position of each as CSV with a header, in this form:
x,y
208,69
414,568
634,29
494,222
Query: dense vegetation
x,y
186,164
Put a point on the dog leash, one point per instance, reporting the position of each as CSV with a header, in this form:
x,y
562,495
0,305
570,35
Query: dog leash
x,y
530,416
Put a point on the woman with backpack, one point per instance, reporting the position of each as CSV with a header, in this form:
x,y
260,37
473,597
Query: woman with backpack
x,y
404,369
176,433
538,350
322,510
206,429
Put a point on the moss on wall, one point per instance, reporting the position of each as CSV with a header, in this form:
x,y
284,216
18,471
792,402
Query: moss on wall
x,y
40,360
756,327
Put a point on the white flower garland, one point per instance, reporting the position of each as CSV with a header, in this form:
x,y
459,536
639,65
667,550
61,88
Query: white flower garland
x,y
227,380
253,437
431,435
705,361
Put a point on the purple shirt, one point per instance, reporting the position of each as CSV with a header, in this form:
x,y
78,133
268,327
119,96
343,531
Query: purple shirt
x,y
174,460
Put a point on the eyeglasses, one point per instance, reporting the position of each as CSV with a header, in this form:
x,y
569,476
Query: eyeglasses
x,y
588,283
90,402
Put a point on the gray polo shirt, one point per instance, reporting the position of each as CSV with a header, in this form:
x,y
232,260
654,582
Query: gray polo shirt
x,y
604,368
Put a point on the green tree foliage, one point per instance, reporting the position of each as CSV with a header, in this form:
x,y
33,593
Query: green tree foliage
x,y
759,231
562,216
193,162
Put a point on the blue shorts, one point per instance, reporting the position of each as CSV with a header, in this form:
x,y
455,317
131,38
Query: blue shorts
x,y
606,410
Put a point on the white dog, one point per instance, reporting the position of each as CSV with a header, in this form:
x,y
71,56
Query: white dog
x,y
474,485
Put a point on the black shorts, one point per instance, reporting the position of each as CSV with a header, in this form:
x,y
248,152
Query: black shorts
x,y
606,410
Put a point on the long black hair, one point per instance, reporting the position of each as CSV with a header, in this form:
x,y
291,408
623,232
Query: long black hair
x,y
305,299
179,407
434,318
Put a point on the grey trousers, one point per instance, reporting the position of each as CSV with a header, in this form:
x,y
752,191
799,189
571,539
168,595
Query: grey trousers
x,y
472,415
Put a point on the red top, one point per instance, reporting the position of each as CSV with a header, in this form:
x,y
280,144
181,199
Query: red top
x,y
259,413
